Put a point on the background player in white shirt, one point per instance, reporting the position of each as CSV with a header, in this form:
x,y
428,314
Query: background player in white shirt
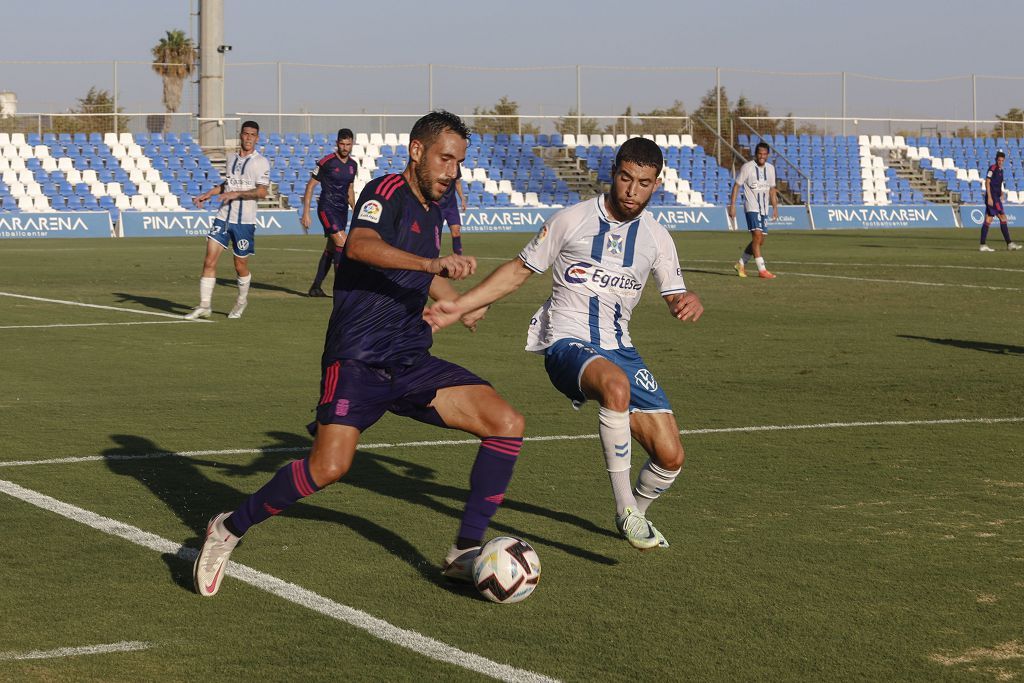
x,y
248,179
757,178
601,252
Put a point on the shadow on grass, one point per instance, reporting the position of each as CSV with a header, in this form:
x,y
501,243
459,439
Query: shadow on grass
x,y
264,286
153,303
987,347
182,485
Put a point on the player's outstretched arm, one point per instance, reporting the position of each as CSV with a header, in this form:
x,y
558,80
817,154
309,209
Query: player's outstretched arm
x,y
366,245
685,306
204,197
505,279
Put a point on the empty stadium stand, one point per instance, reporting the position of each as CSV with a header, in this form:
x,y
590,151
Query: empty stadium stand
x,y
154,172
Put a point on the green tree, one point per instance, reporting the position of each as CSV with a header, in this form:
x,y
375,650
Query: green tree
x,y
655,122
570,123
1012,126
174,60
95,102
502,118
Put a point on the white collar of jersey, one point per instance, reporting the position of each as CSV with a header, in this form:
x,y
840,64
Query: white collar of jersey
x,y
604,213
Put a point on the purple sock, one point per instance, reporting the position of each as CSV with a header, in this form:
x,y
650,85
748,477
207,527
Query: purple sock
x,y
984,232
323,267
1005,229
488,481
292,482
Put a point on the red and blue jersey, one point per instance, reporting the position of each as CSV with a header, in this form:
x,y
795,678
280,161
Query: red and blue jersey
x,y
378,312
335,177
995,181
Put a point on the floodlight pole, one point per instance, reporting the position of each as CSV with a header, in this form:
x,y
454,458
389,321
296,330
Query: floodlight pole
x,y
579,99
115,97
211,73
974,101
844,104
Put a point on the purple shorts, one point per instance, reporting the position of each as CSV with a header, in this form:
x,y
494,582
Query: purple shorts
x,y
356,394
995,209
450,209
333,220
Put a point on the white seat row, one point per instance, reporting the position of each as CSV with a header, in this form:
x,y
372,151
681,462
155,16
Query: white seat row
x,y
609,140
882,141
380,140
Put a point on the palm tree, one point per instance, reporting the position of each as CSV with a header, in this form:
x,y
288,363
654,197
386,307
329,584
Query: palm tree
x,y
174,59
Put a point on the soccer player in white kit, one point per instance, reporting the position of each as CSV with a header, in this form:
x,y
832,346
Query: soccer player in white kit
x,y
757,178
248,180
601,252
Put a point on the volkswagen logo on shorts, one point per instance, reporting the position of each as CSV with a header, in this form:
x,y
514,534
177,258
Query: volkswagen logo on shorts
x,y
576,274
645,380
243,244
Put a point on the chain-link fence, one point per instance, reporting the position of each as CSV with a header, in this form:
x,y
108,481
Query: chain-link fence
x,y
298,97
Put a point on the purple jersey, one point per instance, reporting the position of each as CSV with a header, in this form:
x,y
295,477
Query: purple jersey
x,y
995,181
449,202
335,177
378,312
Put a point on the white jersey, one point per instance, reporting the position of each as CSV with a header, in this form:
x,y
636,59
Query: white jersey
x,y
757,182
244,173
599,269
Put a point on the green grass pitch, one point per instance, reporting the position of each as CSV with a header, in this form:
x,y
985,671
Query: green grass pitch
x,y
871,529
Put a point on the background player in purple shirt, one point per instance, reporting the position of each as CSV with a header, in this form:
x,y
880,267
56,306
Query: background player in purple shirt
x,y
994,204
376,356
336,174
450,207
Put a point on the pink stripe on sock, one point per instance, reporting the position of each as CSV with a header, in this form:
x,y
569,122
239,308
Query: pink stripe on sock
x,y
299,478
506,447
496,499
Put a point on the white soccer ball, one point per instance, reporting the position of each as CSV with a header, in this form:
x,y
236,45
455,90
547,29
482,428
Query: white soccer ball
x,y
507,570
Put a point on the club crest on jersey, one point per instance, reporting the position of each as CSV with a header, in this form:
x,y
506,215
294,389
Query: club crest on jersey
x,y
615,243
371,211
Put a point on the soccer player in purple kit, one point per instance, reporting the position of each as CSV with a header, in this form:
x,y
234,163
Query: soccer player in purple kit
x,y
336,174
376,356
994,204
450,210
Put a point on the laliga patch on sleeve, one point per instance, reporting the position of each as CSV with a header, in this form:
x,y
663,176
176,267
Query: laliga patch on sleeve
x,y
371,211
542,235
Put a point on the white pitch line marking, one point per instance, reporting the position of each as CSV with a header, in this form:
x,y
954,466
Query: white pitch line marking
x,y
148,322
900,282
123,646
553,437
876,265
411,640
79,303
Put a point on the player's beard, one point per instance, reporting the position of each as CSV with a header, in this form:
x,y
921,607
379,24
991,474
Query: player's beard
x,y
621,212
426,184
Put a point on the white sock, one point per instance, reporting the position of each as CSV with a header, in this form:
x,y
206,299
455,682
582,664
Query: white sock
x,y
243,287
206,290
617,443
652,482
760,263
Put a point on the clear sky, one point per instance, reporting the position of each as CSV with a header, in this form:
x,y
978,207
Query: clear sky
x,y
913,40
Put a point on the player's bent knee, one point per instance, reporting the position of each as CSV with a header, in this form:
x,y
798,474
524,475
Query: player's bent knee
x,y
507,422
672,460
326,471
615,393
